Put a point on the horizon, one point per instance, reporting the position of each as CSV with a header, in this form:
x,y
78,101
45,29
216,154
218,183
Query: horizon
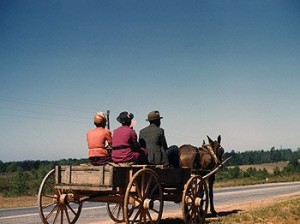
x,y
237,152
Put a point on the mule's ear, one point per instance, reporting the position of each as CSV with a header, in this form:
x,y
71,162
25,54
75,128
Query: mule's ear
x,y
203,142
219,138
209,139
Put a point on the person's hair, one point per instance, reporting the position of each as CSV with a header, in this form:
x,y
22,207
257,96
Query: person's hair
x,y
156,122
102,124
127,123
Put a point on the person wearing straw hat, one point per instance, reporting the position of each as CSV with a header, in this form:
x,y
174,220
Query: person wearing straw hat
x,y
153,139
125,147
99,140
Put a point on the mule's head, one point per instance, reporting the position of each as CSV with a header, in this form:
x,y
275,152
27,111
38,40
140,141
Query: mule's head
x,y
216,146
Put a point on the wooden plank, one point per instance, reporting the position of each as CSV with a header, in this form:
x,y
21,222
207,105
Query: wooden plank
x,y
84,175
57,175
68,174
101,175
84,188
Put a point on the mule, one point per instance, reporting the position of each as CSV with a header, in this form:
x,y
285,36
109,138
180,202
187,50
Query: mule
x,y
205,158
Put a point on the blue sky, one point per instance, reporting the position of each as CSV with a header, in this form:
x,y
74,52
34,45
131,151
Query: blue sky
x,y
210,68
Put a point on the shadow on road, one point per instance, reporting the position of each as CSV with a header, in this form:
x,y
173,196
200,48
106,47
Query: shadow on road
x,y
208,218
222,214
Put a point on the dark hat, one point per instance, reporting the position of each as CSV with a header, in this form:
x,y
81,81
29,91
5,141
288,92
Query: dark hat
x,y
125,117
154,115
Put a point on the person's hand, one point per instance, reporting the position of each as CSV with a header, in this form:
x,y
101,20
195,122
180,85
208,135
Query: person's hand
x,y
133,123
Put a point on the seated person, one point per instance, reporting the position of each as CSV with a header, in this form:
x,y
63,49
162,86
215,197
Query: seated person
x,y
125,147
153,139
96,140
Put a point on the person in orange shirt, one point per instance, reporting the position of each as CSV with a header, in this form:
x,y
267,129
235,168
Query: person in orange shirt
x,y
99,141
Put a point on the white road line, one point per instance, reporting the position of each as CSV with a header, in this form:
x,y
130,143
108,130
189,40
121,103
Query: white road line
x,y
36,214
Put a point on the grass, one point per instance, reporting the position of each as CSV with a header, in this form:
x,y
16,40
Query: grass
x,y
284,212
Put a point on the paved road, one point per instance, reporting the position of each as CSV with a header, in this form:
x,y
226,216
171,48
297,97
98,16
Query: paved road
x,y
93,213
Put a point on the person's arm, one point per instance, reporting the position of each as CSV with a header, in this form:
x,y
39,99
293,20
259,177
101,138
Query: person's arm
x,y
108,139
134,143
163,140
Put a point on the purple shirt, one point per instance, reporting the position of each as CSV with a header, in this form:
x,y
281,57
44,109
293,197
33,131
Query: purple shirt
x,y
122,139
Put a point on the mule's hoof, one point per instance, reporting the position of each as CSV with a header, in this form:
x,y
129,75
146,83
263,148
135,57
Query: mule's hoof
x,y
214,214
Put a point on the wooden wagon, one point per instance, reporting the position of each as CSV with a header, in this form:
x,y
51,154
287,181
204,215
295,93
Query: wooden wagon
x,y
133,193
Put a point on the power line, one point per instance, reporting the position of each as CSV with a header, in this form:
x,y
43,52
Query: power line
x,y
34,109
43,103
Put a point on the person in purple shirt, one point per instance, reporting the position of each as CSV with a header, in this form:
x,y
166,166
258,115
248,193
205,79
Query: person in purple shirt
x,y
125,147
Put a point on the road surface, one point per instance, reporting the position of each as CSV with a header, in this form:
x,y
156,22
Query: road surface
x,y
95,213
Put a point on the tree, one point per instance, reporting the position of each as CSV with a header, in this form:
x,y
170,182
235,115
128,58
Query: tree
x,y
2,167
21,182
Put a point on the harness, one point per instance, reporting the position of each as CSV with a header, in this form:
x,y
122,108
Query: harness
x,y
212,153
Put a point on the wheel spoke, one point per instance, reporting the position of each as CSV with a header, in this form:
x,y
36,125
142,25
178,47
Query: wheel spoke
x,y
143,183
138,189
67,214
137,214
149,216
148,184
154,189
50,185
154,210
49,196
117,208
52,211
48,205
72,210
62,215
57,214
115,211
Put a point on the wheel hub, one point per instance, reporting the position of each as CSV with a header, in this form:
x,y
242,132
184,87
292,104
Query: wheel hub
x,y
198,201
148,203
62,199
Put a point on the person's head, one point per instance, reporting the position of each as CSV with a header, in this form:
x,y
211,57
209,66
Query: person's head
x,y
154,117
100,119
125,118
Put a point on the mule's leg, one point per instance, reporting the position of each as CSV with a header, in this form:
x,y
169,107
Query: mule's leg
x,y
211,181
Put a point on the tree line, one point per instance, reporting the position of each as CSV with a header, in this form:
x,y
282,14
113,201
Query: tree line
x,y
261,156
25,177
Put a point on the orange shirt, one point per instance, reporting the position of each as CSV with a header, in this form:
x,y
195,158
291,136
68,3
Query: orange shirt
x,y
96,139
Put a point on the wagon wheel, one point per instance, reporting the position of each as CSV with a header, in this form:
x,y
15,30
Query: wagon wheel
x,y
143,198
115,211
56,205
195,200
